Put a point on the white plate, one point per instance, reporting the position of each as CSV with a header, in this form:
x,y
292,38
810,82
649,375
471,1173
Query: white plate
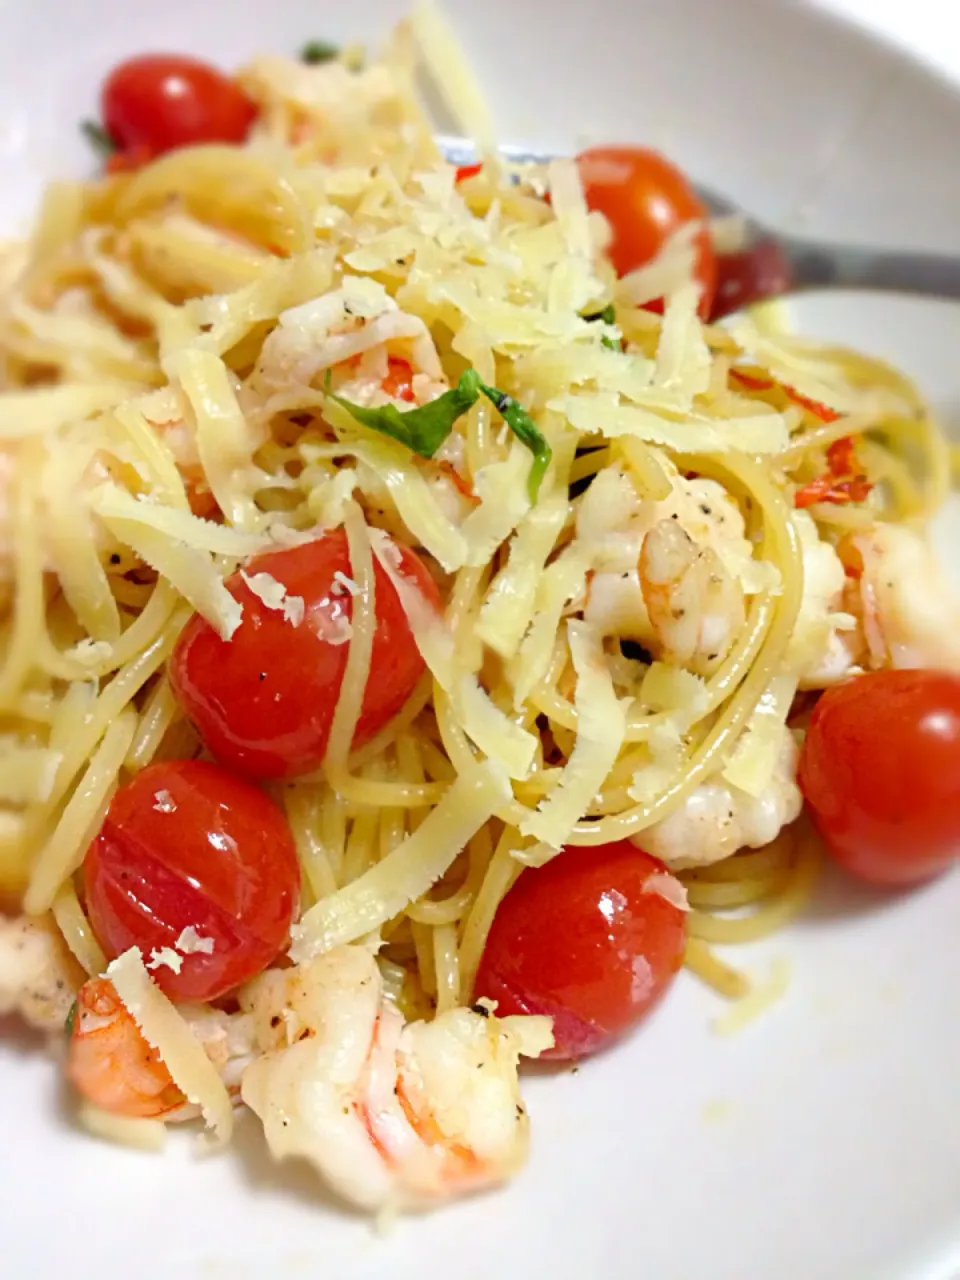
x,y
823,1143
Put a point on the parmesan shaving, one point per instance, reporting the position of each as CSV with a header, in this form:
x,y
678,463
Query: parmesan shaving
x,y
407,873
508,607
273,594
164,1029
165,956
452,73
601,725
500,738
191,942
668,887
752,765
144,527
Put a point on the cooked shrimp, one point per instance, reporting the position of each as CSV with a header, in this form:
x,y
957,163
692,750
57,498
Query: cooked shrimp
x,y
696,608
110,1062
909,615
38,976
353,332
615,523
391,1114
718,819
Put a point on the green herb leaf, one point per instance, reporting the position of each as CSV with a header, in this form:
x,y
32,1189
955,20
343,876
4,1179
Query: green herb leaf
x,y
71,1020
526,431
316,51
424,430
98,137
608,315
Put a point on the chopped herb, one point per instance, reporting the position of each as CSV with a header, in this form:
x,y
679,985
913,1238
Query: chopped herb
x,y
316,51
423,430
607,316
71,1020
98,137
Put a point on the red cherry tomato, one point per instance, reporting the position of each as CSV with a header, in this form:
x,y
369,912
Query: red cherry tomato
x,y
186,843
645,199
880,770
586,939
158,102
264,700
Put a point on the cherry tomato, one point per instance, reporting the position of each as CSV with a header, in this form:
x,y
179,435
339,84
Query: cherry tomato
x,y
264,700
880,770
586,939
187,843
645,199
158,102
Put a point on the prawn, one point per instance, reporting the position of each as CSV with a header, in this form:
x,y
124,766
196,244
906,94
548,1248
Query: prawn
x,y
906,614
375,353
717,818
110,1063
391,1114
113,1066
38,975
696,608
651,559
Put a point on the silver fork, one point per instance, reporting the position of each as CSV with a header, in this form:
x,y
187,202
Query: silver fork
x,y
769,263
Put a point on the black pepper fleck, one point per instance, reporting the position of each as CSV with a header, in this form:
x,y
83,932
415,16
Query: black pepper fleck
x,y
481,1009
114,557
263,675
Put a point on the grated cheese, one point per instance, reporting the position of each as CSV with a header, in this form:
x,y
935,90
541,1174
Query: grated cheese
x,y
165,956
191,942
273,594
668,887
164,1029
601,725
408,871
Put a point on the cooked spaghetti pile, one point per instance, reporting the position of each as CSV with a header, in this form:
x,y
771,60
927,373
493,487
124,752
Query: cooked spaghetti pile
x,y
626,640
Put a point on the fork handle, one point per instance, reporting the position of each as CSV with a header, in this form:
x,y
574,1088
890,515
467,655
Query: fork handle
x,y
820,265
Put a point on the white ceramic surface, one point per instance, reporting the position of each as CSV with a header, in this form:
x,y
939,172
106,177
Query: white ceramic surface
x,y
823,1143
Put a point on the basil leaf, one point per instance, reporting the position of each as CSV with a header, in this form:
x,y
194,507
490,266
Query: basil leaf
x,y
71,1020
423,430
608,315
526,431
98,137
316,51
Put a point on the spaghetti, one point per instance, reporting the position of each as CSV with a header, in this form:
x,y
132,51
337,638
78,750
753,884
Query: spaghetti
x,y
193,355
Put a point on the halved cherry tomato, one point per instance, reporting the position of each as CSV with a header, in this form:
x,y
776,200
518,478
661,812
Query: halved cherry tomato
x,y
646,199
264,700
188,844
880,770
158,102
587,939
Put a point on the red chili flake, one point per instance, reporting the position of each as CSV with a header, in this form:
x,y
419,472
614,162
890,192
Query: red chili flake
x,y
462,485
818,410
751,382
399,380
842,458
826,489
468,171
